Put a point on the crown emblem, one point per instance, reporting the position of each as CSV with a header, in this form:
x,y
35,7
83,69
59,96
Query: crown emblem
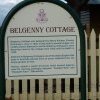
x,y
41,17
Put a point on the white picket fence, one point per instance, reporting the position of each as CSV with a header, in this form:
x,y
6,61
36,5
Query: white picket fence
x,y
61,89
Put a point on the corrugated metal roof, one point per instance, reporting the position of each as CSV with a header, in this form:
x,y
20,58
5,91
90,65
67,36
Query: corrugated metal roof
x,y
85,17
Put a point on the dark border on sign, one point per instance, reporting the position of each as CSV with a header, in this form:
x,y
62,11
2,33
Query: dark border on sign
x,y
82,43
46,74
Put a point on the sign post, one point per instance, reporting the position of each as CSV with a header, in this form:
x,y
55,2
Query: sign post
x,y
43,39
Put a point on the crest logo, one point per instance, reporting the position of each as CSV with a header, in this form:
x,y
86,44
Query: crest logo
x,y
41,18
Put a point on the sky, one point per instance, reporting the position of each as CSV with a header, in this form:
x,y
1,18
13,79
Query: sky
x,y
5,7
4,2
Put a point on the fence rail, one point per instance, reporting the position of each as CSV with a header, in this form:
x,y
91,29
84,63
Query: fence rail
x,y
61,89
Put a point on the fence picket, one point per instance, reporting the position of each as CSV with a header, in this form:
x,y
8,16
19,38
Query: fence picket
x,y
16,89
93,64
24,90
66,95
40,95
8,89
57,95
49,94
76,89
32,90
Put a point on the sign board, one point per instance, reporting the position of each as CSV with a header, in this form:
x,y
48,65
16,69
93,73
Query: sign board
x,y
43,40
41,45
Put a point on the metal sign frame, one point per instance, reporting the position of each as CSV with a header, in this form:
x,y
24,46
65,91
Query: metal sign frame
x,y
82,44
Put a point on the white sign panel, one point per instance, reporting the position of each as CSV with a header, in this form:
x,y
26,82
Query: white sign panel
x,y
42,41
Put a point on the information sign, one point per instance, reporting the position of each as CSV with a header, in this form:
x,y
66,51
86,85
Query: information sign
x,y
42,44
43,39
